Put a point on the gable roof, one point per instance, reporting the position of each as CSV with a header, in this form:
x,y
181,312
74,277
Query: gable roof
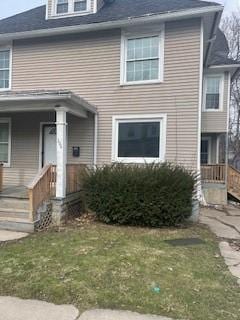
x,y
220,51
35,19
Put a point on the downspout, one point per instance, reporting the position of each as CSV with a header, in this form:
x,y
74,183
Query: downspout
x,y
95,140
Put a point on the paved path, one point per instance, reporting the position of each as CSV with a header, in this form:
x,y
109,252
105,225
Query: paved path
x,y
226,225
18,309
11,235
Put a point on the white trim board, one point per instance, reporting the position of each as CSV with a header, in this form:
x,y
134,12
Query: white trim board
x,y
162,118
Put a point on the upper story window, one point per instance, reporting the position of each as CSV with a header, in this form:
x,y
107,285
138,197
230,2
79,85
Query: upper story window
x,y
142,59
80,5
62,6
5,66
72,6
213,92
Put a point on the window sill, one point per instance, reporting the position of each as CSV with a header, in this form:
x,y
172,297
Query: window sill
x,y
70,14
138,160
5,89
216,110
138,83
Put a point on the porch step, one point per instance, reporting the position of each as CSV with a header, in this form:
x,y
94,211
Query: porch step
x,y
14,213
16,224
12,203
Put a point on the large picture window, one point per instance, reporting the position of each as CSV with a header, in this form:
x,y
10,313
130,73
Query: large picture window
x,y
142,59
5,55
213,92
139,140
5,141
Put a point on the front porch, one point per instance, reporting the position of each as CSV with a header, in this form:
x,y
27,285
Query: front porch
x,y
46,138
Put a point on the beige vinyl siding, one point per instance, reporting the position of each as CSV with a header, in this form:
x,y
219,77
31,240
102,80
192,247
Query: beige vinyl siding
x,y
26,144
89,65
51,3
216,121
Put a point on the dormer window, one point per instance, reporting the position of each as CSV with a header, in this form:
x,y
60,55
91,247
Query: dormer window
x,y
80,5
62,6
71,7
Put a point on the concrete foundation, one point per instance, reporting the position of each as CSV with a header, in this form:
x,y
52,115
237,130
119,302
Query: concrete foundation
x,y
215,194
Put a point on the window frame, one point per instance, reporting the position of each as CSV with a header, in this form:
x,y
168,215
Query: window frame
x,y
161,118
9,122
71,11
221,92
8,48
125,36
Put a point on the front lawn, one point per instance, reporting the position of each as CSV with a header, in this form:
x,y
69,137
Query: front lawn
x,y
100,266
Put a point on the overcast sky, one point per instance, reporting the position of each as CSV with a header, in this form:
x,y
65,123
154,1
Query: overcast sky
x,y
10,7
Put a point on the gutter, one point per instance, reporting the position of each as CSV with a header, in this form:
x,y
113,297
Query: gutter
x,y
215,25
114,24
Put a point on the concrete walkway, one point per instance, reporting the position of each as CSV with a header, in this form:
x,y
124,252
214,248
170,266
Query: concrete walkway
x,y
17,309
226,225
6,235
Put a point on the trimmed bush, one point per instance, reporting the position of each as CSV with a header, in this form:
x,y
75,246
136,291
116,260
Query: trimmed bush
x,y
151,195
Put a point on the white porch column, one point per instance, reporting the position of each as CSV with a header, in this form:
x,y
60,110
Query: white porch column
x,y
61,126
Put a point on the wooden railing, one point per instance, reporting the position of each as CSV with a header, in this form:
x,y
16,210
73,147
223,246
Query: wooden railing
x,y
1,177
74,175
41,189
234,181
215,173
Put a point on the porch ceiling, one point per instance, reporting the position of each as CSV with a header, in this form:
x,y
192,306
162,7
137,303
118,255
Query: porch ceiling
x,y
29,101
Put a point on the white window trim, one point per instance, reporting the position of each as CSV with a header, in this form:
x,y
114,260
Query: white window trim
x,y
9,121
71,11
125,36
209,139
221,76
10,67
162,118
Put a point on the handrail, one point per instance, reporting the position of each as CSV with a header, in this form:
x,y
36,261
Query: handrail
x,y
41,189
213,173
233,180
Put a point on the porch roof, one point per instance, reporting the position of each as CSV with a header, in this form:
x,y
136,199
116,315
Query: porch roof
x,y
43,100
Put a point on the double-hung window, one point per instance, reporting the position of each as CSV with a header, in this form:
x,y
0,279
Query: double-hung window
x,y
62,6
139,139
5,55
80,5
5,141
213,93
142,59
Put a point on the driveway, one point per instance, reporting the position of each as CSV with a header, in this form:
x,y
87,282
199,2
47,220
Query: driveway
x,y
225,224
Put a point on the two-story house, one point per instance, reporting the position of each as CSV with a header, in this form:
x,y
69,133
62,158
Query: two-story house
x,y
91,82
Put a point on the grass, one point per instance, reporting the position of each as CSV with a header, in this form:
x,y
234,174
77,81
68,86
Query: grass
x,y
116,267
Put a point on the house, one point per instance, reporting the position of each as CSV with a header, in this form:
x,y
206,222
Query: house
x,y
89,82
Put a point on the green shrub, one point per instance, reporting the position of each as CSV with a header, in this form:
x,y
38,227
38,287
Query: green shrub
x,y
151,195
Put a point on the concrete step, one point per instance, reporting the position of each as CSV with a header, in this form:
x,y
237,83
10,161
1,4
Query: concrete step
x,y
12,203
16,224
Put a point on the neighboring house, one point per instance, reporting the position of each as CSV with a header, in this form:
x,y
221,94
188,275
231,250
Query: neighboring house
x,y
94,82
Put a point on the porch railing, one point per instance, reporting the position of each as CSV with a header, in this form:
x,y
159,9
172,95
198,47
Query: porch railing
x,y
41,189
234,180
215,173
74,175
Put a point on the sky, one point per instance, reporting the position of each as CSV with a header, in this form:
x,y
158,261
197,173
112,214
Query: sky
x,y
11,7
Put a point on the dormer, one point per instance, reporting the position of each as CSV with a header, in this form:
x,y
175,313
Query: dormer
x,y
69,8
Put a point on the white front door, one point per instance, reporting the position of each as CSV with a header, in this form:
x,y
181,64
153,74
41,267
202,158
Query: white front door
x,y
49,148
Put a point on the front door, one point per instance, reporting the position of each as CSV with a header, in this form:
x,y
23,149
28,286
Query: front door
x,y
205,151
49,147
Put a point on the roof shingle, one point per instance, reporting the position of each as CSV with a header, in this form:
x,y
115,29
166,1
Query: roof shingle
x,y
112,11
